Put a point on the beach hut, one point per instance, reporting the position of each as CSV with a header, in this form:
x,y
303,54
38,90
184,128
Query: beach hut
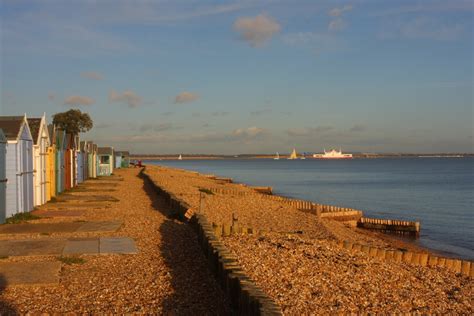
x,y
19,164
106,161
118,160
3,177
40,135
122,159
92,160
70,161
125,159
51,162
60,140
79,162
83,148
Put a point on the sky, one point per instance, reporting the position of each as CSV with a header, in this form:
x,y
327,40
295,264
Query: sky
x,y
236,77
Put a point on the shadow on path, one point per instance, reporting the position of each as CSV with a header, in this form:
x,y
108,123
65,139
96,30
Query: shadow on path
x,y
5,307
196,292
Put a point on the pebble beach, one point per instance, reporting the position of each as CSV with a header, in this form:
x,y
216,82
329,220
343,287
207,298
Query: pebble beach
x,y
296,260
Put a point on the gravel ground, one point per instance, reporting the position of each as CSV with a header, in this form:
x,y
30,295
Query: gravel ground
x,y
169,275
307,273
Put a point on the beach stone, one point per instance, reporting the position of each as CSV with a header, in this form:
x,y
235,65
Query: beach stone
x,y
121,245
12,273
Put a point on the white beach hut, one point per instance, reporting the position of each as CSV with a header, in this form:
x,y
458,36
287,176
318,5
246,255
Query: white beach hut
x,y
19,164
3,180
40,135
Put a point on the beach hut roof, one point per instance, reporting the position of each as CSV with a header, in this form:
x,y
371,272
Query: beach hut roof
x,y
35,125
12,126
106,151
35,128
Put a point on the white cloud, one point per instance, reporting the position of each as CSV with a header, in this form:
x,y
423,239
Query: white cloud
x,y
185,97
128,96
256,30
337,25
309,131
335,12
248,133
78,100
93,75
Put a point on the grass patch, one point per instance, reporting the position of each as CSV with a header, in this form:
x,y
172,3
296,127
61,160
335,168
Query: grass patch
x,y
3,257
44,234
53,200
71,260
207,191
21,218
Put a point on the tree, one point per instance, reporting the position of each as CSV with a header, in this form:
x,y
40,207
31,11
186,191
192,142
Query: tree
x,y
73,121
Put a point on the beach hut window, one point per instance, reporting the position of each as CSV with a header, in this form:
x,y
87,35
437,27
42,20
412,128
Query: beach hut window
x,y
105,159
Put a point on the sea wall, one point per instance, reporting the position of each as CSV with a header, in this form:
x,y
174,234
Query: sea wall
x,y
464,267
245,297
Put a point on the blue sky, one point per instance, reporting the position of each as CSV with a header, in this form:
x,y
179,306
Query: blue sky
x,y
246,76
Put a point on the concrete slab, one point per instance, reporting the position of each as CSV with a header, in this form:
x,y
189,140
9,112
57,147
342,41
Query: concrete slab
x,y
36,247
117,245
29,228
75,205
81,246
29,273
65,227
87,198
58,213
100,226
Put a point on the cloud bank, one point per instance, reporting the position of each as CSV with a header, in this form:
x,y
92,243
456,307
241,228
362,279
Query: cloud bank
x,y
92,75
256,31
128,96
185,97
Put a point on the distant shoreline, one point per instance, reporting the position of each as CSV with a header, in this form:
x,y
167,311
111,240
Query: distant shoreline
x,y
284,157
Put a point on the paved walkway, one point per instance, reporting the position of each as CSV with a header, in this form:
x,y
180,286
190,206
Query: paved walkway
x,y
66,227
73,246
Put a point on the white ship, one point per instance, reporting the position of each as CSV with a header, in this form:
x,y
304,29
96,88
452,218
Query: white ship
x,y
293,155
333,154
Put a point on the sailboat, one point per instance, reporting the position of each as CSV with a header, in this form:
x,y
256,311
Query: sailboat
x,y
293,155
180,157
277,157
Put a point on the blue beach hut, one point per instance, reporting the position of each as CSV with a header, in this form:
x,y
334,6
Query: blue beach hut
x,y
19,164
3,177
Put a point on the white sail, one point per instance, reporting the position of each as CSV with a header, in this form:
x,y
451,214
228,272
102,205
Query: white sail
x,y
180,157
293,154
277,156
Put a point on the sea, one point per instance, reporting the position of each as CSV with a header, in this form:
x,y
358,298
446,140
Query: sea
x,y
438,192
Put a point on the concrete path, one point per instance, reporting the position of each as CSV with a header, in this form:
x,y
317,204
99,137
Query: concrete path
x,y
58,213
87,198
65,227
72,246
29,273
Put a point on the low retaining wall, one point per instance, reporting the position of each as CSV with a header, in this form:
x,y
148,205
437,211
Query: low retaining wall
x,y
390,226
245,297
416,258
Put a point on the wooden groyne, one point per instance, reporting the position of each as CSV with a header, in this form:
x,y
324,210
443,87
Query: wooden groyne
x,y
423,259
390,226
245,297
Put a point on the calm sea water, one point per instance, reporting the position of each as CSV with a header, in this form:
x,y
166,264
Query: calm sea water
x,y
438,192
